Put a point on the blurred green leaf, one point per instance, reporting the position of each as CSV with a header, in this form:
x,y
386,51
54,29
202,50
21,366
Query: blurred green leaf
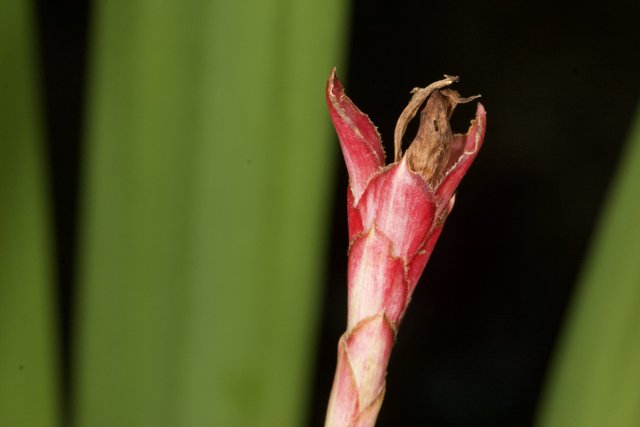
x,y
595,380
28,394
206,183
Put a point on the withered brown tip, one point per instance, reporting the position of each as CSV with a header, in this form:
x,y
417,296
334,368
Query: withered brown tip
x,y
430,150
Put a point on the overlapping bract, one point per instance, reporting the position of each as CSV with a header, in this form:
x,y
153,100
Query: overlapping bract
x,y
395,217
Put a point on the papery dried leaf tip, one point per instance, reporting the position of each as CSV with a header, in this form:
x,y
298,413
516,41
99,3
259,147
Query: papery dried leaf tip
x,y
395,214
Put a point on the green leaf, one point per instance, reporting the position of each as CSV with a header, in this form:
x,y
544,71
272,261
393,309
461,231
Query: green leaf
x,y
28,378
595,380
209,163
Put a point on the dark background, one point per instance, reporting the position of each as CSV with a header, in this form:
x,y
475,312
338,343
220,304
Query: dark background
x,y
560,82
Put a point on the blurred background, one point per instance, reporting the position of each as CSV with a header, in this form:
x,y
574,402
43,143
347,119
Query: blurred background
x,y
173,226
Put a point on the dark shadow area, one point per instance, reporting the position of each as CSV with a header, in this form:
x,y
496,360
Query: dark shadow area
x,y
63,43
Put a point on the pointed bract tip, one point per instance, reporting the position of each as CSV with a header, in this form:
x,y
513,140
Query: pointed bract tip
x,y
480,111
334,87
359,138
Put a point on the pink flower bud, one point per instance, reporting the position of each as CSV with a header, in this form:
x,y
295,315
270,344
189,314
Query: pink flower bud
x,y
395,214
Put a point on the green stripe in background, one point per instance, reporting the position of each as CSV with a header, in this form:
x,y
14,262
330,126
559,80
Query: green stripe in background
x,y
28,362
595,380
207,178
